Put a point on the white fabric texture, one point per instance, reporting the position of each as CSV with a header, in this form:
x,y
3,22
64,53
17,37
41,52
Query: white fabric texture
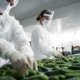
x,y
14,44
12,33
41,39
42,43
3,62
6,48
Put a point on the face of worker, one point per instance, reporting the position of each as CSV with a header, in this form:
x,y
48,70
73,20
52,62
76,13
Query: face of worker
x,y
42,19
5,5
11,2
45,21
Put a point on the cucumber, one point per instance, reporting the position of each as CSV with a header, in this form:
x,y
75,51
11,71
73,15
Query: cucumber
x,y
60,62
47,60
2,72
65,59
39,77
64,65
55,72
50,65
7,78
54,78
72,75
50,73
75,61
61,71
7,66
13,73
74,67
77,78
62,77
56,68
32,72
75,64
43,68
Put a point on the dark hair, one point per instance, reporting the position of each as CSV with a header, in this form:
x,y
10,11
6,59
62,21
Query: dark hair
x,y
42,14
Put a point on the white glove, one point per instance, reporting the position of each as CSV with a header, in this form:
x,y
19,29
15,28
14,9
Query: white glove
x,y
57,54
19,62
32,61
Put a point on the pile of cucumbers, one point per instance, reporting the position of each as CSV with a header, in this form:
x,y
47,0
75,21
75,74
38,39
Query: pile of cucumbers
x,y
67,68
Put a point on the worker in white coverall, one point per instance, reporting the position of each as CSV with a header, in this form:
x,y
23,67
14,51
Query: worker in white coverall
x,y
41,39
14,44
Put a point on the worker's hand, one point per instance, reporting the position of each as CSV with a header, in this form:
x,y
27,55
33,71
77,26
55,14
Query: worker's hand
x,y
57,54
32,61
20,62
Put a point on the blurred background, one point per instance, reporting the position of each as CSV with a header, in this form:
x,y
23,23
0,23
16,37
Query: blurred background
x,y
65,25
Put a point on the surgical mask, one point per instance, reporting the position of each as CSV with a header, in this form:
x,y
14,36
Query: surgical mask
x,y
46,23
4,6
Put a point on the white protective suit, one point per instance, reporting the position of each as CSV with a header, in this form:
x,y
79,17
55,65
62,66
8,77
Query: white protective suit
x,y
12,36
41,40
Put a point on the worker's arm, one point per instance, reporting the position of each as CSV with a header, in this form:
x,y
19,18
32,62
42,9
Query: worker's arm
x,y
22,43
44,46
20,39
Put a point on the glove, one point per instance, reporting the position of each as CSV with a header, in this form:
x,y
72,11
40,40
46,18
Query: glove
x,y
57,54
32,61
19,62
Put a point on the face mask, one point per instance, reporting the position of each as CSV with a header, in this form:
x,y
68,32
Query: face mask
x,y
8,8
3,5
46,23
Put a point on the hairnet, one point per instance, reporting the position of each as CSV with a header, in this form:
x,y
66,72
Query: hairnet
x,y
46,12
49,13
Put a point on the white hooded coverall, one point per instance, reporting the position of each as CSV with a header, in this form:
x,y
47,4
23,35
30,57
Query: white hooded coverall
x,y
42,42
12,35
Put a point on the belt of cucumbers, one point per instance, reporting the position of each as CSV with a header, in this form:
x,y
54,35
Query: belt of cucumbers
x,y
67,68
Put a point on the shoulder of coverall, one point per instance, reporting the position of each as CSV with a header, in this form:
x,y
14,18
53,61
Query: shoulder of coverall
x,y
37,29
15,21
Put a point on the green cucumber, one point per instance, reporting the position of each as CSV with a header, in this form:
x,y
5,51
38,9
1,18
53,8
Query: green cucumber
x,y
50,65
7,78
42,68
62,77
39,77
54,78
74,67
32,72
